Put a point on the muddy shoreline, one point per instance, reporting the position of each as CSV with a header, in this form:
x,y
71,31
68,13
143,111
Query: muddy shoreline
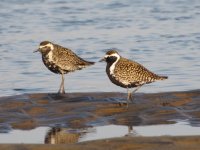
x,y
125,143
81,110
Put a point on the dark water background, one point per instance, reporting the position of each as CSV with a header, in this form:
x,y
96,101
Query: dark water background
x,y
163,35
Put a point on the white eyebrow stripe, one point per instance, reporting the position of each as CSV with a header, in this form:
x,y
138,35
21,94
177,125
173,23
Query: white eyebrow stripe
x,y
42,46
114,54
47,45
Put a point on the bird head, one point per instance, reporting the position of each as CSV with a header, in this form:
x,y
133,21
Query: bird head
x,y
45,47
111,56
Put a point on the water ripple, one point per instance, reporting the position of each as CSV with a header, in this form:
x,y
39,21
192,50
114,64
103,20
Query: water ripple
x,y
162,35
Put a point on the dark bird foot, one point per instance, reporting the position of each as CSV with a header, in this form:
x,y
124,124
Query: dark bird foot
x,y
55,96
121,104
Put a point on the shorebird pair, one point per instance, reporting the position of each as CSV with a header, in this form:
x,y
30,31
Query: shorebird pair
x,y
121,71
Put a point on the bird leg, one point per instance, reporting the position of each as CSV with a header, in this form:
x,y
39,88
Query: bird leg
x,y
135,91
130,129
62,89
130,95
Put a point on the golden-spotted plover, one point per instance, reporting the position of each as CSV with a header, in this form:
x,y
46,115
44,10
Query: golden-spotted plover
x,y
60,60
128,74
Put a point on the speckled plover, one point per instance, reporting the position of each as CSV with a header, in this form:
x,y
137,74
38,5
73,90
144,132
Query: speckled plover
x,y
128,74
60,60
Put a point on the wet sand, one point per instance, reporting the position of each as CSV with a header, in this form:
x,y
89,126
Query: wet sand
x,y
81,110
126,143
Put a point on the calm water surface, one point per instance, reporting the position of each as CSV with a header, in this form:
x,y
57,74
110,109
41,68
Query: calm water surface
x,y
163,35
49,135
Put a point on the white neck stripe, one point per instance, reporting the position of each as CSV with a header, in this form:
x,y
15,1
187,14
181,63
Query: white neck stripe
x,y
50,54
112,67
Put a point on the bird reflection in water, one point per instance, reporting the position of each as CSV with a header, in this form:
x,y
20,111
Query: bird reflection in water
x,y
131,132
57,135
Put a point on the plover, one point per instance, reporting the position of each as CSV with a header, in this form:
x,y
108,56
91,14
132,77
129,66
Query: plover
x,y
61,60
128,74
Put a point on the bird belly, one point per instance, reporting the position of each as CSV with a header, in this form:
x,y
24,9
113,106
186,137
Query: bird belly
x,y
52,66
122,83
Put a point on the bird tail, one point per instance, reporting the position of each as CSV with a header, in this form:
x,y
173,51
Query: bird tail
x,y
162,77
85,62
89,63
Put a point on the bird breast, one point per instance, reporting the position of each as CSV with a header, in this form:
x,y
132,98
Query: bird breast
x,y
50,56
50,64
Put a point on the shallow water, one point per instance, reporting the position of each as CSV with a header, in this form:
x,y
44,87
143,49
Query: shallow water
x,y
162,35
63,135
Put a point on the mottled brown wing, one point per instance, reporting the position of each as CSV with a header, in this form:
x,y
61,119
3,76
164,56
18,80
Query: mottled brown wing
x,y
68,60
129,72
